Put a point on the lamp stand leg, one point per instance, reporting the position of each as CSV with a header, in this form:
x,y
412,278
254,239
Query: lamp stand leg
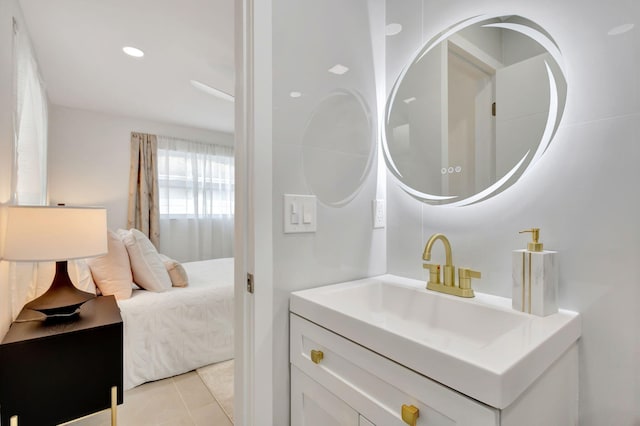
x,y
114,406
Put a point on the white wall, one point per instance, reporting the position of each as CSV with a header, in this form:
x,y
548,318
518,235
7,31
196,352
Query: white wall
x,y
6,138
8,9
308,39
89,157
582,194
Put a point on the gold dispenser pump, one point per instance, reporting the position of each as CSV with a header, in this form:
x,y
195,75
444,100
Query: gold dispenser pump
x,y
534,245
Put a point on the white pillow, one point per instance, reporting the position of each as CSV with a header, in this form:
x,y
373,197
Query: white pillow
x,y
148,269
78,270
112,271
178,275
80,274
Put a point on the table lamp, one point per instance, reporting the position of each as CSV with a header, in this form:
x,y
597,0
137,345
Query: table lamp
x,y
60,233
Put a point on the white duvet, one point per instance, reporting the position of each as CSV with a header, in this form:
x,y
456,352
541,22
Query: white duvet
x,y
182,329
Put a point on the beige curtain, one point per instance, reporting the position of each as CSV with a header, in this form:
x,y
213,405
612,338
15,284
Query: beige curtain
x,y
144,211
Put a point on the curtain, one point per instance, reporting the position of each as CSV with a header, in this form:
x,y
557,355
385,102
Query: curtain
x,y
196,183
29,177
143,213
30,125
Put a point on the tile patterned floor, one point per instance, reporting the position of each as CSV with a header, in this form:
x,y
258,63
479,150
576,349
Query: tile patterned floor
x,y
176,401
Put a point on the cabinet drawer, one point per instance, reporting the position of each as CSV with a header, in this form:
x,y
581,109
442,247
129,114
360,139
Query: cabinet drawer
x,y
377,387
313,405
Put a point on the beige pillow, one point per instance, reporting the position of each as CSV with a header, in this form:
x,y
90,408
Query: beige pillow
x,y
147,267
112,271
178,275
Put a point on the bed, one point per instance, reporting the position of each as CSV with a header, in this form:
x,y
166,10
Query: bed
x,y
179,330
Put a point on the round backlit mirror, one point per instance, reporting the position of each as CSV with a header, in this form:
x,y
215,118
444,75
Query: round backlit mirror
x,y
475,107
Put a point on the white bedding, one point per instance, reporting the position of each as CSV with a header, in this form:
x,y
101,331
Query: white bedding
x,y
182,329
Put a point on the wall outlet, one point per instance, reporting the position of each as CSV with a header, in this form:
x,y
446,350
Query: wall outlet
x,y
379,219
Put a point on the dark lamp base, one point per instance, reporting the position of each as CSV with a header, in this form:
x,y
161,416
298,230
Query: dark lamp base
x,y
62,299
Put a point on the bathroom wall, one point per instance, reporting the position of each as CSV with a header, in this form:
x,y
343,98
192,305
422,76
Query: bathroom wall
x,y
582,193
89,156
323,144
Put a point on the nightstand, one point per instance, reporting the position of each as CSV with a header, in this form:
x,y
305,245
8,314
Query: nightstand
x,y
51,373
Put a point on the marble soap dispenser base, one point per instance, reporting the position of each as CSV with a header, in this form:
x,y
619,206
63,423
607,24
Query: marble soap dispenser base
x,y
535,282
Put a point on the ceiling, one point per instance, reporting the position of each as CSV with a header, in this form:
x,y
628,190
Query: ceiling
x,y
79,43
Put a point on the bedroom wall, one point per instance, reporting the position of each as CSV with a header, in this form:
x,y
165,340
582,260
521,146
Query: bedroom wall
x,y
582,194
8,9
89,156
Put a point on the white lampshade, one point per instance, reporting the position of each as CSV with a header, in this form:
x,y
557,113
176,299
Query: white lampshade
x,y
48,233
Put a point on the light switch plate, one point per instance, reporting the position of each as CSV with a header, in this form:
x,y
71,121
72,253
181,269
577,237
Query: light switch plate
x,y
299,213
378,214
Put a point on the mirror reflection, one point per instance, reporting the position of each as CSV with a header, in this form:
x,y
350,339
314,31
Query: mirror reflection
x,y
338,133
477,106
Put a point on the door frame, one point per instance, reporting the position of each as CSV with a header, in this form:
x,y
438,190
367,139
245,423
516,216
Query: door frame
x,y
253,381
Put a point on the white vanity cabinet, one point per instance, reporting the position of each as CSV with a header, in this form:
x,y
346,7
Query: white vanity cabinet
x,y
352,385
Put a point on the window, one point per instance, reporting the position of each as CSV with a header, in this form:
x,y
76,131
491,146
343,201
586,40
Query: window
x,y
195,180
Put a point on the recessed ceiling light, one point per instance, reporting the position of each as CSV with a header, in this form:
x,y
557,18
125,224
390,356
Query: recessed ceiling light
x,y
409,100
212,91
133,51
620,29
295,94
393,29
338,69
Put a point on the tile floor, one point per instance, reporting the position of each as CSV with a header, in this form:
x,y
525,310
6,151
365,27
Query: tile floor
x,y
176,401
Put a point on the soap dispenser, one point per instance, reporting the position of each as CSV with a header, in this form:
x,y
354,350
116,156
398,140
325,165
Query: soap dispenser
x,y
535,278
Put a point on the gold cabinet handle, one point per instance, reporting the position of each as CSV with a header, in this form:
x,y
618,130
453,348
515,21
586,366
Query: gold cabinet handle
x,y
410,414
316,356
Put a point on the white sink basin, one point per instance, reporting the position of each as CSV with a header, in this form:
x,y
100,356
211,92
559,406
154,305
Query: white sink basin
x,y
480,346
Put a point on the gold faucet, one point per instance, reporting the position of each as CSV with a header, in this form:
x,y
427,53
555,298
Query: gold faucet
x,y
449,269
464,288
